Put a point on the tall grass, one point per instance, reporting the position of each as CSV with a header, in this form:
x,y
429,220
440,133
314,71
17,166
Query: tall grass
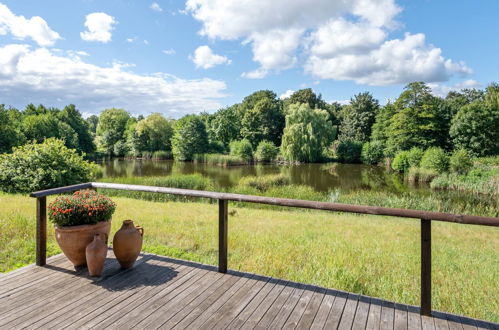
x,y
371,255
220,159
188,181
162,155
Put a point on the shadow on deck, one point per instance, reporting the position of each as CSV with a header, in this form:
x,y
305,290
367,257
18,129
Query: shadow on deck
x,y
166,293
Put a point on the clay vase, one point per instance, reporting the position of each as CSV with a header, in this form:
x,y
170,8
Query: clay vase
x,y
127,243
73,240
96,253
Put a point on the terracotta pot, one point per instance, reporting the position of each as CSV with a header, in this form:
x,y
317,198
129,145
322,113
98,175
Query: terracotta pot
x,y
73,240
96,253
127,243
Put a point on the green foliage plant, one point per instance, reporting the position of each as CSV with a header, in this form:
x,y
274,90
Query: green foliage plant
x,y
45,165
435,159
414,156
401,161
460,161
84,207
372,152
243,149
266,151
189,138
349,151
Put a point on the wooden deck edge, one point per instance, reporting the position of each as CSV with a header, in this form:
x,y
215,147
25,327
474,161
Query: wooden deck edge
x,y
376,300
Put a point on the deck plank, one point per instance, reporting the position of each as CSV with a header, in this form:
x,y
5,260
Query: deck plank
x,y
361,314
349,311
166,293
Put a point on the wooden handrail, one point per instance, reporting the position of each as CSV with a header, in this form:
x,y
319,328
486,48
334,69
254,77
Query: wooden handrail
x,y
223,198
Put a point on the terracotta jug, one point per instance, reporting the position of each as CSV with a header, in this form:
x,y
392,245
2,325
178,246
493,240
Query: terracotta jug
x,y
127,243
96,253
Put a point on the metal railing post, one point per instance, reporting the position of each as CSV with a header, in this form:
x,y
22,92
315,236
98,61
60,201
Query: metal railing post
x,y
41,231
426,267
223,207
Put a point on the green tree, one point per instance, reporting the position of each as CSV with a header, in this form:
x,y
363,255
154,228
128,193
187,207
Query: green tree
x,y
154,133
10,135
264,121
92,123
261,117
306,95
475,128
71,116
421,120
307,134
225,125
111,128
359,118
40,127
189,138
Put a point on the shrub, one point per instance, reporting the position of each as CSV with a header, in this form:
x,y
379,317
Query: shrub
x,y
266,151
146,154
242,149
263,183
162,155
460,161
435,159
42,166
414,156
349,151
401,161
372,152
84,207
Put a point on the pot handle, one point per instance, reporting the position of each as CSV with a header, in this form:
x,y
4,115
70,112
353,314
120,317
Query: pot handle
x,y
141,230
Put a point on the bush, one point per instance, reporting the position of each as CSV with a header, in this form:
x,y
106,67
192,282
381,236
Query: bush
x,y
414,156
372,152
242,149
435,159
46,165
460,161
162,155
401,161
266,151
263,183
146,154
84,207
349,151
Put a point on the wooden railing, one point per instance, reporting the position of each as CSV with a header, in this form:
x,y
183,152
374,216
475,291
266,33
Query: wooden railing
x,y
223,201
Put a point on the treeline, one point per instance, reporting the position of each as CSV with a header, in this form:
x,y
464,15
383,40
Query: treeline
x,y
302,127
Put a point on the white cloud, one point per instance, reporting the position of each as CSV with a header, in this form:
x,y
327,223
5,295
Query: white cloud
x,y
41,76
170,51
396,61
99,27
443,90
345,40
286,94
205,58
154,6
21,28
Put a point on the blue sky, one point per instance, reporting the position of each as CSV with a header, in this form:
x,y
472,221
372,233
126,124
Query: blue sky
x,y
178,57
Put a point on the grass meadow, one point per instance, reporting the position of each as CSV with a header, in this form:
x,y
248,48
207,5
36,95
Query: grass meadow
x,y
371,255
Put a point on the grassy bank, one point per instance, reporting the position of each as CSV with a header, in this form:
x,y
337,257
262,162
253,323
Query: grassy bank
x,y
279,186
377,256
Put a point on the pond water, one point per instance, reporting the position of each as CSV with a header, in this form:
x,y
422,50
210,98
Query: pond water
x,y
333,178
321,177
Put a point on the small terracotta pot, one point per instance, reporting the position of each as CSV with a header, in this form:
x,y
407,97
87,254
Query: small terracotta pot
x,y
73,240
96,253
127,243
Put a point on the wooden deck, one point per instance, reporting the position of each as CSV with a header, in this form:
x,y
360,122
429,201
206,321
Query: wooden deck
x,y
160,292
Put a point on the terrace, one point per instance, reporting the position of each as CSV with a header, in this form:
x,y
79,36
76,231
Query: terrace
x,y
161,292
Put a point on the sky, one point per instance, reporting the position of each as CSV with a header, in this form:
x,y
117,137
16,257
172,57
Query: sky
x,y
178,57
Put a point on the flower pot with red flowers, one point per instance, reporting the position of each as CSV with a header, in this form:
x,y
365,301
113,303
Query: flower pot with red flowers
x,y
77,218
